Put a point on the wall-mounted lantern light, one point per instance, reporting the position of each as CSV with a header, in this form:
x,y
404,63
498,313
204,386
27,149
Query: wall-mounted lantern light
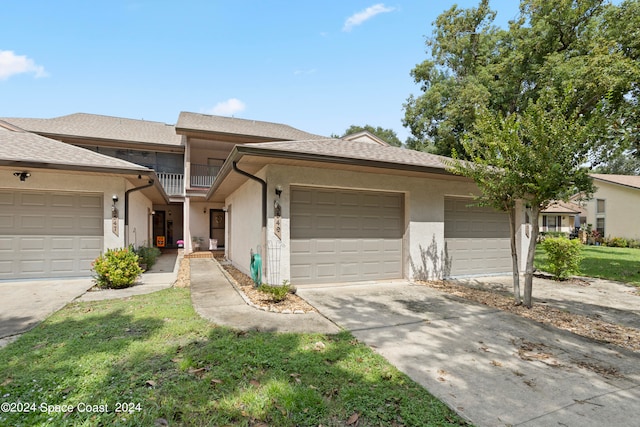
x,y
22,175
114,198
278,190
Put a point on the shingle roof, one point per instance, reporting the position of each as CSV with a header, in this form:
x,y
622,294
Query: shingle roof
x,y
356,150
101,127
626,180
560,207
232,125
18,146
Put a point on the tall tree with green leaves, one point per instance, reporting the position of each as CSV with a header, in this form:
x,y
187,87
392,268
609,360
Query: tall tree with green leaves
x,y
589,45
388,135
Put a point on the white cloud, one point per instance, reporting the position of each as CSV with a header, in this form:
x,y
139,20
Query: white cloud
x,y
12,64
227,108
360,17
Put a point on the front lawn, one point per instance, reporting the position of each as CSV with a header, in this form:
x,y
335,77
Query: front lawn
x,y
620,264
150,360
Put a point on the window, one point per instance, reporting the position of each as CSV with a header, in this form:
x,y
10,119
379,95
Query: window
x,y
600,226
600,206
552,222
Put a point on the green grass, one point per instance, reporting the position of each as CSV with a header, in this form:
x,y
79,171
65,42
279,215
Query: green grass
x,y
620,264
153,355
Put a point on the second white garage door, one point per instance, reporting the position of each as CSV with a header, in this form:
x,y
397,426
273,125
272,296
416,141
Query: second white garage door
x,y
49,234
477,239
345,236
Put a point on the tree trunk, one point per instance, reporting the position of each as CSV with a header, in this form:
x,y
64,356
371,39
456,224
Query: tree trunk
x,y
531,253
514,257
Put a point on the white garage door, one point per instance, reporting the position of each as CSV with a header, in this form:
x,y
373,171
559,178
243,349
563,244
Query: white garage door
x,y
49,234
345,236
477,239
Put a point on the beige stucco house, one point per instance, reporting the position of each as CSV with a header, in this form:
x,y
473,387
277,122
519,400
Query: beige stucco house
x,y
318,210
61,205
614,209
561,216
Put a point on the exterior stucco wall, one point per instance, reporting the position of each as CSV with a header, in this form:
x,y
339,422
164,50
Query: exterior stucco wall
x,y
139,219
90,183
199,218
622,210
424,210
244,224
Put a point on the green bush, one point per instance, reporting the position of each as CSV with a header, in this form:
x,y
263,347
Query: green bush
x,y
563,256
116,269
147,255
616,242
277,293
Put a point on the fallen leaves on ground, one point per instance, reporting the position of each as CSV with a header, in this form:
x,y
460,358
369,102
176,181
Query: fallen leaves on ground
x,y
621,336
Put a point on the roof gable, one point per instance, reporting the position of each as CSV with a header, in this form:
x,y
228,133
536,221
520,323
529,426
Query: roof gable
x,y
365,136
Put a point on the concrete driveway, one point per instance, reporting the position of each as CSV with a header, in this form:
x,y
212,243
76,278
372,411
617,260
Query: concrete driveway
x,y
492,367
24,304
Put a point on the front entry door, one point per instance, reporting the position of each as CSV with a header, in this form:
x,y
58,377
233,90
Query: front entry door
x,y
216,224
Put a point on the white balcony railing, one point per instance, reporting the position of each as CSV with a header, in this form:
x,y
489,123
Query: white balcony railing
x,y
203,175
173,183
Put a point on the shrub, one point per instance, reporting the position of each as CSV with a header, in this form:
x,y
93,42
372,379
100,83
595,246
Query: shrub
x,y
616,242
116,269
147,255
277,293
563,256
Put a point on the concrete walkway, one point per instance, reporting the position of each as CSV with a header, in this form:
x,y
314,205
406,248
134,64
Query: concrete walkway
x,y
215,298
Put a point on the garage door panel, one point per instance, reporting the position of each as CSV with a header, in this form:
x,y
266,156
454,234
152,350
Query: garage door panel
x,y
477,239
33,199
325,270
63,266
366,238
63,200
7,243
32,223
93,243
34,267
6,222
6,268
49,234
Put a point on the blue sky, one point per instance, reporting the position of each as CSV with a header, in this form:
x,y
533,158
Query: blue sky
x,y
320,66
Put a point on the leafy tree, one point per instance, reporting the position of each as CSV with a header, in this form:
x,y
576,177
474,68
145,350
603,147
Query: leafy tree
x,y
534,156
588,45
624,164
388,135
531,104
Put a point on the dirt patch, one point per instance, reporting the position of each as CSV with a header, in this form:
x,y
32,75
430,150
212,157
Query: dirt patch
x,y
622,336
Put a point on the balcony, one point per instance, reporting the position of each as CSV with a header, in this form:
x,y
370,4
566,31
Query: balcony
x,y
202,176
173,183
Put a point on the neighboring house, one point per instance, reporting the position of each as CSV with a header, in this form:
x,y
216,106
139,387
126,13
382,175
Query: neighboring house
x,y
318,210
562,217
614,209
